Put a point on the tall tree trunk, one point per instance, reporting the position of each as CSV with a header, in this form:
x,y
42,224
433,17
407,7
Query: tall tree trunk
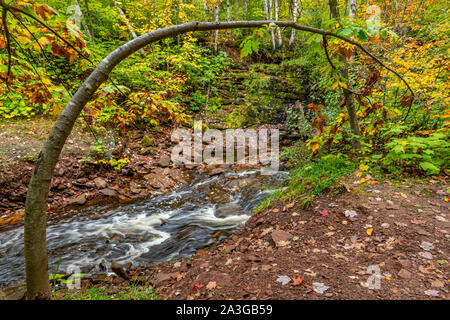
x,y
127,22
228,10
85,27
36,260
89,16
294,19
352,8
216,19
280,40
272,36
348,96
266,10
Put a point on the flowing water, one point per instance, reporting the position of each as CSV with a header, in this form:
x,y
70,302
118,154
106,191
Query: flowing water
x,y
160,228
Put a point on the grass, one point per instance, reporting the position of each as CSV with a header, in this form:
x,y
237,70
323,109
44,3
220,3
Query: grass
x,y
312,179
132,292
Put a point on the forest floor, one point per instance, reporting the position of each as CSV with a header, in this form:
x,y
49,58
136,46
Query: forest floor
x,y
395,247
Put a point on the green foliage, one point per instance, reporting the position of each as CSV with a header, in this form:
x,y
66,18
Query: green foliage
x,y
429,154
251,43
97,292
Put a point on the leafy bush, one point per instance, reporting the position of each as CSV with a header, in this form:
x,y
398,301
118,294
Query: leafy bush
x,y
427,154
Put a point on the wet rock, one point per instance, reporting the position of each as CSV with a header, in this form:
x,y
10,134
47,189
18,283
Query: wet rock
x,y
135,188
117,269
78,200
229,209
108,192
153,180
98,278
214,169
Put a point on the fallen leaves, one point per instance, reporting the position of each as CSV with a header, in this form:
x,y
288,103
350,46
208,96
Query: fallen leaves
x,y
211,285
197,287
297,282
369,231
319,287
284,280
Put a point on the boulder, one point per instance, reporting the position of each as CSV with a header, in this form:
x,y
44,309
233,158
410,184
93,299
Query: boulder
x,y
117,269
78,200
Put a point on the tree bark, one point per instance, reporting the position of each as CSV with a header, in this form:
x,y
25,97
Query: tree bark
x,y
91,25
294,19
36,260
127,22
348,96
216,19
272,36
280,40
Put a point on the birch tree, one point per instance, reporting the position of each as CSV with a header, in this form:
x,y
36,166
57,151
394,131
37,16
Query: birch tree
x,y
127,22
280,40
294,19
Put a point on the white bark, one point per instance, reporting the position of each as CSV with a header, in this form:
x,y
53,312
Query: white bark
x,y
294,19
127,22
85,27
352,8
272,36
280,40
265,8
216,19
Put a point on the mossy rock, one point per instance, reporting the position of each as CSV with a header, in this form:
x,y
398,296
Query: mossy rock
x,y
147,141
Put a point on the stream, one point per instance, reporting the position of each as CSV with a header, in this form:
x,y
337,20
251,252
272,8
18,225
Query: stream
x,y
160,228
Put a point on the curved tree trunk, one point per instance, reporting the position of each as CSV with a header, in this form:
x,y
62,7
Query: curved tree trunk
x,y
36,203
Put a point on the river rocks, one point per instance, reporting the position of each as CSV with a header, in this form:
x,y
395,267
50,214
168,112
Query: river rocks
x,y
108,192
229,209
135,188
117,269
78,200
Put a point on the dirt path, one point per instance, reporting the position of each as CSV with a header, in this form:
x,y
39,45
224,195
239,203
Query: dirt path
x,y
288,253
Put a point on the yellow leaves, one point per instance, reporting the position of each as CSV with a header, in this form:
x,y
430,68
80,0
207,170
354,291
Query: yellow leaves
x,y
314,147
363,167
369,231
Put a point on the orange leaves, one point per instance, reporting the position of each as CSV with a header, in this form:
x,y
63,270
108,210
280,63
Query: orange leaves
x,y
297,282
43,11
64,51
